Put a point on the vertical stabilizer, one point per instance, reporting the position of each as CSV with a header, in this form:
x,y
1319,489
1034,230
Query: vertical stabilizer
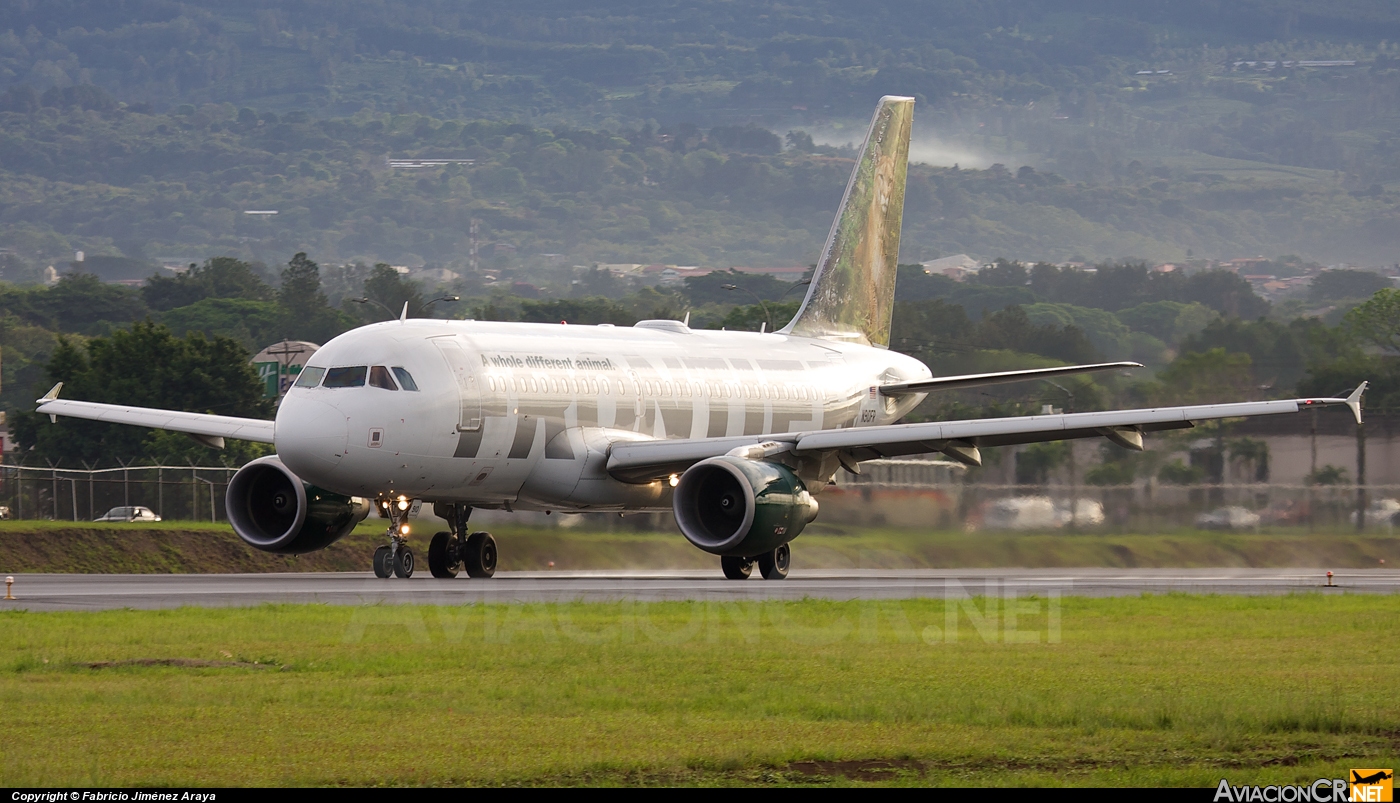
x,y
852,292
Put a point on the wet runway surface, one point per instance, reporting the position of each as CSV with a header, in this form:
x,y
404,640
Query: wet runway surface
x,y
67,592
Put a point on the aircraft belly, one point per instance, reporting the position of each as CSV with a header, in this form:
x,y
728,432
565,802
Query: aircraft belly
x,y
583,483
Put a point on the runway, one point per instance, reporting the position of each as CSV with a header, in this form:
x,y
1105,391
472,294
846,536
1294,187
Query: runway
x,y
79,592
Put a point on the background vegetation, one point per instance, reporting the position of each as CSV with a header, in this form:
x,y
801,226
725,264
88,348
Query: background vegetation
x,y
695,133
706,134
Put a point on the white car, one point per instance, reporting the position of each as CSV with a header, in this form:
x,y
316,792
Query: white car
x,y
136,513
1232,517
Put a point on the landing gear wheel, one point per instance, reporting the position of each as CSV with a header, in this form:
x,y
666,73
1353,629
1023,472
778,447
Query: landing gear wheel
x,y
382,566
441,561
774,565
736,568
404,562
480,555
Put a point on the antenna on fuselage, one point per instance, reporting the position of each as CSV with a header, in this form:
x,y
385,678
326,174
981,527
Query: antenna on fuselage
x,y
403,316
687,318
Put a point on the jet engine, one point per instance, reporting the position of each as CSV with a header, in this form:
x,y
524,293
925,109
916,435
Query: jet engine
x,y
274,510
741,508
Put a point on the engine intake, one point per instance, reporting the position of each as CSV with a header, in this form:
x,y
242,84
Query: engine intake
x,y
275,511
741,508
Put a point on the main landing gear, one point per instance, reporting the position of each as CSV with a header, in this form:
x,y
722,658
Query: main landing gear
x,y
772,565
451,552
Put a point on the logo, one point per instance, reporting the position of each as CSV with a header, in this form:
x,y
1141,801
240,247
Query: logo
x,y
1372,786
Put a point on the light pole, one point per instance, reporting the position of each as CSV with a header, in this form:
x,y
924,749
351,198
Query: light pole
x,y
1073,478
421,308
767,313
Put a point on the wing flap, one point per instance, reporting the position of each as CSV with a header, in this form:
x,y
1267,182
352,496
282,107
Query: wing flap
x,y
201,424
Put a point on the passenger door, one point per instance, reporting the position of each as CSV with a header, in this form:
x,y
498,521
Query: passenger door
x,y
459,360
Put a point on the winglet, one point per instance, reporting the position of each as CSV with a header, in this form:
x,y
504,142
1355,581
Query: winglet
x,y
51,395
1354,401
403,316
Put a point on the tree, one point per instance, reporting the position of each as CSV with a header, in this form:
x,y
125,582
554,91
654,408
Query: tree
x,y
306,313
300,292
147,366
1035,462
1345,283
387,287
1376,321
1012,329
1225,293
586,311
1279,353
218,277
1002,273
1208,376
81,303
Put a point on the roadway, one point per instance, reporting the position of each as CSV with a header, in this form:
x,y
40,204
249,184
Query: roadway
x,y
69,592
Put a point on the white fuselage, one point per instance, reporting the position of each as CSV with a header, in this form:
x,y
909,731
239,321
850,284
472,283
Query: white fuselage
x,y
521,415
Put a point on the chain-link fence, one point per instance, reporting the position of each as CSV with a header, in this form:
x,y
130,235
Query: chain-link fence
x,y
172,492
910,494
932,494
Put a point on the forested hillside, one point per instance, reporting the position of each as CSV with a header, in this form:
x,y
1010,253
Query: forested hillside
x,y
657,132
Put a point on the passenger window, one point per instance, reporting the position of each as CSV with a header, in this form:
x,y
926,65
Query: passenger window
x,y
379,378
405,378
352,377
309,377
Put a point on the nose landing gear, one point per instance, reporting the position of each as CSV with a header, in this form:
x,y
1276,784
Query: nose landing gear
x,y
395,558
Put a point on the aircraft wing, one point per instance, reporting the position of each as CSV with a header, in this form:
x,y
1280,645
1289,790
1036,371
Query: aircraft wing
x,y
974,380
644,461
206,428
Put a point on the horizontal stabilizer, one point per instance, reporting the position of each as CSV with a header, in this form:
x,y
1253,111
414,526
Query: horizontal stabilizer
x,y
997,378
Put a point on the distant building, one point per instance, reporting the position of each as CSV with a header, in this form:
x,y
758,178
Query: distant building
x,y
956,267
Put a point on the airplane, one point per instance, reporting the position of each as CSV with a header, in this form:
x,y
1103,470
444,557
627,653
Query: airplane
x,y
1374,778
736,432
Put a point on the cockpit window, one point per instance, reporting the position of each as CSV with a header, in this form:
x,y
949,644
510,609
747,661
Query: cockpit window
x,y
379,378
405,379
352,377
310,377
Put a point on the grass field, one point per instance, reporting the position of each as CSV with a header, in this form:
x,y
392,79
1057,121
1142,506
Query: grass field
x,y
1138,691
188,547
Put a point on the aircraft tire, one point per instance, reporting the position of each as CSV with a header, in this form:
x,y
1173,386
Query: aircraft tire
x,y
382,568
774,565
480,555
736,568
440,562
404,563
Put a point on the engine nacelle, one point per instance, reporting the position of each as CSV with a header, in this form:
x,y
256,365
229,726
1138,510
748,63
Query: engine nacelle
x,y
274,510
741,508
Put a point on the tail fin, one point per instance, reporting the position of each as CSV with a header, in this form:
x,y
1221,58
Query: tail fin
x,y
852,292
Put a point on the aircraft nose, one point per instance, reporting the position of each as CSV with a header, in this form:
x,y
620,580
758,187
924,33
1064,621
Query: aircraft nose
x,y
312,436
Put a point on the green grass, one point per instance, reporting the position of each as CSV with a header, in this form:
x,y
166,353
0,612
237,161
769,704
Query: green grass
x,y
1138,691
